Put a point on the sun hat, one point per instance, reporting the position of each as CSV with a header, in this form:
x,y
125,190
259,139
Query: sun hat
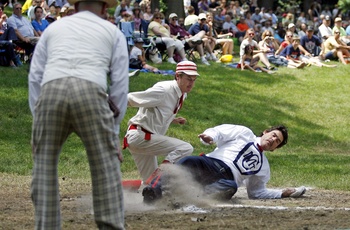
x,y
187,67
172,15
110,3
291,25
202,16
338,19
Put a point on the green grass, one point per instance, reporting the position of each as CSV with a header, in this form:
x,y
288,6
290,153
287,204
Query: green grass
x,y
313,103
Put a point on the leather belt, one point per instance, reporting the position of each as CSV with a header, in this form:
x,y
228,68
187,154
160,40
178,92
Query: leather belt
x,y
132,127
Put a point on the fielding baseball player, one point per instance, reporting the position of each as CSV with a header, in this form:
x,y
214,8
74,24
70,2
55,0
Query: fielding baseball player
x,y
158,107
238,160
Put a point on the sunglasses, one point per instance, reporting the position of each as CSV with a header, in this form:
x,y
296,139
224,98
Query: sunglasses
x,y
251,34
337,32
18,8
289,36
158,18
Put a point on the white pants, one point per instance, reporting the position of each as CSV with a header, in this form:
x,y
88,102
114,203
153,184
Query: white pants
x,y
145,152
169,42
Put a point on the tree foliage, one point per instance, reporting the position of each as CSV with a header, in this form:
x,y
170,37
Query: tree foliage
x,y
344,5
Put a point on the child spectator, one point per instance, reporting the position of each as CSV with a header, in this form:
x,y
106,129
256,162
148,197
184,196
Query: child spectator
x,y
248,62
137,57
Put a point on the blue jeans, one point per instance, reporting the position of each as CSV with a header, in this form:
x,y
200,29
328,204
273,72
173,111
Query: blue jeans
x,y
278,61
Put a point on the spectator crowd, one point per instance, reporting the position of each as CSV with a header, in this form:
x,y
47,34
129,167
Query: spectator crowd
x,y
209,31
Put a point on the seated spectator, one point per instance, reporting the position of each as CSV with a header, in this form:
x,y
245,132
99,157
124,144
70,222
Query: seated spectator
x,y
288,40
248,18
303,30
338,25
225,40
214,4
324,30
31,12
137,57
248,62
256,17
27,36
230,27
348,30
271,17
126,17
242,26
38,23
258,54
268,26
9,58
209,41
279,35
335,49
180,33
269,45
6,33
148,14
292,52
191,18
311,43
292,28
137,16
162,33
203,6
301,19
289,18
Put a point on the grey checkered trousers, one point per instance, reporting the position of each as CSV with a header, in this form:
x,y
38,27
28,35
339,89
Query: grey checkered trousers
x,y
75,105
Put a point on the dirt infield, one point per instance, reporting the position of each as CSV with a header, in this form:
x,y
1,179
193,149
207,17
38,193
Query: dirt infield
x,y
317,209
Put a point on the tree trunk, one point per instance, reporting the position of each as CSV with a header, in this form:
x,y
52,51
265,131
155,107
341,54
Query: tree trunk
x,y
174,6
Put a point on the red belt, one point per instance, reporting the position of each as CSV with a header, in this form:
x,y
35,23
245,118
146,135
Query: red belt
x,y
147,135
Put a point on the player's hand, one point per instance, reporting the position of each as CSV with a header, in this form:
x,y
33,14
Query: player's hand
x,y
207,139
293,192
179,120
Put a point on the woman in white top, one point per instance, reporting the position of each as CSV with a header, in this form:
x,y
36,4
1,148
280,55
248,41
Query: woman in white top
x,y
258,53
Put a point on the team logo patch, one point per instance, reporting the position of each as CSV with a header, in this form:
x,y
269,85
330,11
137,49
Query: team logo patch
x,y
249,160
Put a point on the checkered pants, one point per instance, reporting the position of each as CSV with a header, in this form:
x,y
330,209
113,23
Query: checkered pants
x,y
74,105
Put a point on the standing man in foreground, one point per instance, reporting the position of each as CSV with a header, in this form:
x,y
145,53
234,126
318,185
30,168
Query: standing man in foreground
x,y
67,93
238,160
158,107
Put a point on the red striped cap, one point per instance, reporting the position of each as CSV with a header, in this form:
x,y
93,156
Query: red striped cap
x,y
187,67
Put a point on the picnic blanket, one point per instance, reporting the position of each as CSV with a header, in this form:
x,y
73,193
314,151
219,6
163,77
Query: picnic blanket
x,y
163,72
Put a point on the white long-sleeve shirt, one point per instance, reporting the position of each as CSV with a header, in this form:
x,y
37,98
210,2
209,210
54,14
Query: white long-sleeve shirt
x,y
85,46
156,106
237,147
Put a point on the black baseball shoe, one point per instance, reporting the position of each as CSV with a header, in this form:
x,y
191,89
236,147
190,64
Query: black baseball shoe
x,y
150,195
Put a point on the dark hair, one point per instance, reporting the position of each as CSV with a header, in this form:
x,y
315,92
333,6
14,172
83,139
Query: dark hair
x,y
284,132
248,49
38,7
2,6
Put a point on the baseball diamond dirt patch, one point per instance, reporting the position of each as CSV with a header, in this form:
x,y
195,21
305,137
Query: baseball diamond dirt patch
x,y
317,209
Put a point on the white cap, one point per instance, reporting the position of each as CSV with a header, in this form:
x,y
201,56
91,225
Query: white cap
x,y
291,25
172,15
202,16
